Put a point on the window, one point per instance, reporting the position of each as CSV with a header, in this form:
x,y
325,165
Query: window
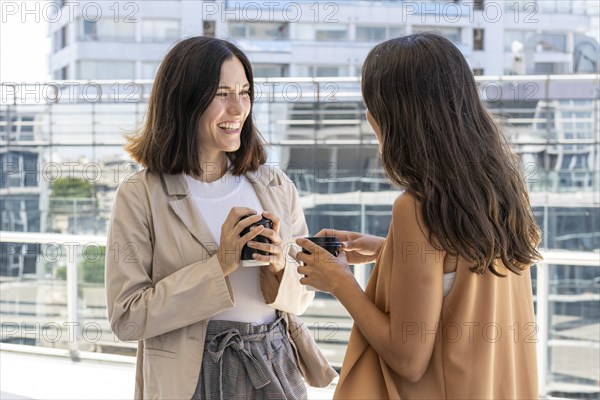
x,y
62,73
553,42
322,70
237,30
451,33
478,39
90,31
208,28
377,33
555,6
327,32
478,71
270,70
160,30
512,36
370,34
331,32
478,5
93,69
395,31
22,164
259,30
149,69
60,39
64,37
106,29
305,32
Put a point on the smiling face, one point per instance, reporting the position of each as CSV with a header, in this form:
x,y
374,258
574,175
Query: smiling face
x,y
221,123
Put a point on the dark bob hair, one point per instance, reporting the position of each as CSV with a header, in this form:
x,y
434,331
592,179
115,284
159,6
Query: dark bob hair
x,y
185,84
439,142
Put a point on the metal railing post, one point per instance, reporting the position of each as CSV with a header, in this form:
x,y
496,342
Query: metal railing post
x,y
541,316
72,301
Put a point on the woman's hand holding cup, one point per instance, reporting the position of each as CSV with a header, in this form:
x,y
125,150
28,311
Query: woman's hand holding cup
x,y
275,257
360,248
231,243
322,270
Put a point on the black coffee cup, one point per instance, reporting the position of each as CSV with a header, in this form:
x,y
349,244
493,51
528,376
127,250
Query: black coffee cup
x,y
247,252
330,243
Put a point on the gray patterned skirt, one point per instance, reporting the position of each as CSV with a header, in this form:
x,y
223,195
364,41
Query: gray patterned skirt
x,y
248,361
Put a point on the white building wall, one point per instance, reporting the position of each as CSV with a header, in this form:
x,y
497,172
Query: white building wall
x,y
495,18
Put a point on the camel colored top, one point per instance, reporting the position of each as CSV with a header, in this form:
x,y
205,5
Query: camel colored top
x,y
485,338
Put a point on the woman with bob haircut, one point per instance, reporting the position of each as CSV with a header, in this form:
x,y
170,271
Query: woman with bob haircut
x,y
206,327
448,311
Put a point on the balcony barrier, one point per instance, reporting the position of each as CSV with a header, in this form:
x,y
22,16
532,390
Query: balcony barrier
x,y
41,313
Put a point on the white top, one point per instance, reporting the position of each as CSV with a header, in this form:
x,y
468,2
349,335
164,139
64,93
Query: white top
x,y
448,282
214,201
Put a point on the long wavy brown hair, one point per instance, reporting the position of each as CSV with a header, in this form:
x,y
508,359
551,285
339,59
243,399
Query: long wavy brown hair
x,y
440,143
185,84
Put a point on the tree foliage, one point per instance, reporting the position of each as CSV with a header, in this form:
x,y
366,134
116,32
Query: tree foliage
x,y
71,188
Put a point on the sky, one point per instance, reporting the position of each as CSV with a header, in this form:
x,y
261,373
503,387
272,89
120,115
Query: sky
x,y
24,45
24,42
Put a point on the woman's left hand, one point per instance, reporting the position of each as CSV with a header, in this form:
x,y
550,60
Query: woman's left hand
x,y
275,248
321,269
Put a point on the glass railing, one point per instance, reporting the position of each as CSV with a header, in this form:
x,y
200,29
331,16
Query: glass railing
x,y
62,159
60,304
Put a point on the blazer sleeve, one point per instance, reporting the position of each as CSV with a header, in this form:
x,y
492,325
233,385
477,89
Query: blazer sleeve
x,y
138,308
290,295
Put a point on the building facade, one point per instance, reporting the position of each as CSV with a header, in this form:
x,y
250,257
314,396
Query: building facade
x,y
126,40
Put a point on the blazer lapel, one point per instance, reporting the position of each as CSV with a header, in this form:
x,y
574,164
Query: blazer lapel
x,y
273,198
184,207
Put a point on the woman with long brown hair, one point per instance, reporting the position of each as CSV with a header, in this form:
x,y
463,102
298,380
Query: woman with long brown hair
x,y
448,310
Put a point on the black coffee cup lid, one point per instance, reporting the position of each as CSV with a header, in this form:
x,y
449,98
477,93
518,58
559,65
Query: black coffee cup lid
x,y
323,239
263,221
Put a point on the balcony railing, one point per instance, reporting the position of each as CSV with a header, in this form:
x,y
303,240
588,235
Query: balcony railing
x,y
66,311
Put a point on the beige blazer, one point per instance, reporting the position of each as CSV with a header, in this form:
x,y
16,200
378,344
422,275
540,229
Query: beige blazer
x,y
164,281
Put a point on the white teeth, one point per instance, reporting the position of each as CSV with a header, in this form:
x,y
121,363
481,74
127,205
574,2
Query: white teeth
x,y
230,125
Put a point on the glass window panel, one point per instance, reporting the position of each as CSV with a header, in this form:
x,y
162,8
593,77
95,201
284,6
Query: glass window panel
x,y
478,39
260,30
305,31
333,70
90,30
270,70
95,69
370,34
237,30
160,30
331,32
106,29
149,69
450,33
512,36
396,31
303,71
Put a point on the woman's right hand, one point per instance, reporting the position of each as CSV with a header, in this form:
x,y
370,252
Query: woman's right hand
x,y
230,247
360,248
